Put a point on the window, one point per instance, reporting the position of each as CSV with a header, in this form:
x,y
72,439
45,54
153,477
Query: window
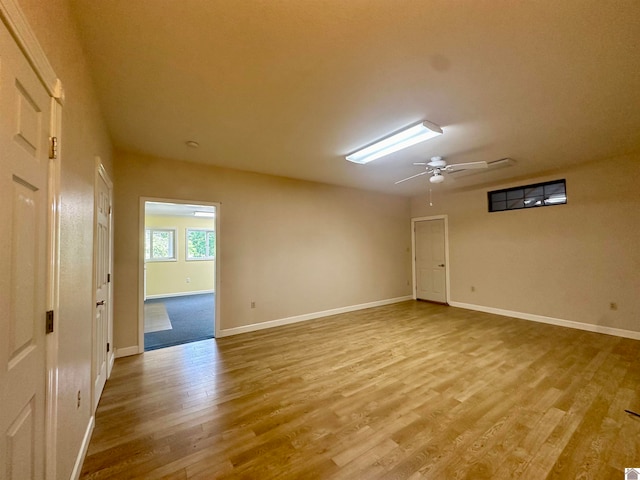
x,y
529,196
159,244
201,244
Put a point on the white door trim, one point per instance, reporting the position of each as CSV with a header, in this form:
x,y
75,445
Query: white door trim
x,y
141,273
25,38
53,298
446,252
16,23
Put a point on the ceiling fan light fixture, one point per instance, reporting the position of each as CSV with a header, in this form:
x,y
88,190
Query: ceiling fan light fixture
x,y
436,178
403,139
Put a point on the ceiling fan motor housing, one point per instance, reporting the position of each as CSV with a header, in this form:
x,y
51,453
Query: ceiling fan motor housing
x,y
437,162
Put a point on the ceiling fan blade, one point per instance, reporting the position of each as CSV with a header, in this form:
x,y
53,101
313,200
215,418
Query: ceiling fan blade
x,y
466,166
420,163
412,176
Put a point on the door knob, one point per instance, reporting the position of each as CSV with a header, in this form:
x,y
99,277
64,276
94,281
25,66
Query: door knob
x,y
441,265
100,303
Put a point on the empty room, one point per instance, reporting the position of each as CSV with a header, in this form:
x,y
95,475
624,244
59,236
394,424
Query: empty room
x,y
320,239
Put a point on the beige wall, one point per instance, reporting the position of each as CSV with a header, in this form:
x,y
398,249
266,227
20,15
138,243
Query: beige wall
x,y
165,278
83,137
567,262
292,247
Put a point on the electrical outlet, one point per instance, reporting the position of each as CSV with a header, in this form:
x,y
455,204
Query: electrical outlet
x,y
253,304
613,306
188,279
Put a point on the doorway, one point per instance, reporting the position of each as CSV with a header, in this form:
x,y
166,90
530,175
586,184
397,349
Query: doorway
x,y
431,255
179,291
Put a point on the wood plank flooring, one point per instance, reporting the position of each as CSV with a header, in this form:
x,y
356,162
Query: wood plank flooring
x,y
406,391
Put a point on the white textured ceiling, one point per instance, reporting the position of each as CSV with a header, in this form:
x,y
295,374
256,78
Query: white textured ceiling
x,y
288,87
176,209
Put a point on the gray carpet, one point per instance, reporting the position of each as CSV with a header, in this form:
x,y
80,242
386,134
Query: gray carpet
x,y
191,320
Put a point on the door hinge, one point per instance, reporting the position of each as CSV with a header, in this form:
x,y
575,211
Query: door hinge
x,y
49,322
108,277
53,148
108,347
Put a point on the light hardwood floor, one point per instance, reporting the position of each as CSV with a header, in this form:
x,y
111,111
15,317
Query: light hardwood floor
x,y
407,391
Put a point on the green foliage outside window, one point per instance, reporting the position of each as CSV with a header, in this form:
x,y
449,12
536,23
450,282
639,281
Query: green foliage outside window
x,y
159,244
201,244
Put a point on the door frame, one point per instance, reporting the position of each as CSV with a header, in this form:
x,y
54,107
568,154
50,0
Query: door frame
x,y
446,253
53,297
141,272
15,21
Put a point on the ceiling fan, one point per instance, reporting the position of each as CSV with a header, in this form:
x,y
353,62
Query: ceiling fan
x,y
437,166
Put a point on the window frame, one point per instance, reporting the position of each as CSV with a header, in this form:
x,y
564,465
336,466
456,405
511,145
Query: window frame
x,y
186,242
173,240
514,194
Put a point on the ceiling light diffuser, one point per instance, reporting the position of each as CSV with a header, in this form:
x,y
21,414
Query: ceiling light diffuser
x,y
204,214
403,139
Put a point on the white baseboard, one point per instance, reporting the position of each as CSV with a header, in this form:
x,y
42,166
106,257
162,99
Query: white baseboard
x,y
308,316
589,327
77,467
127,351
179,294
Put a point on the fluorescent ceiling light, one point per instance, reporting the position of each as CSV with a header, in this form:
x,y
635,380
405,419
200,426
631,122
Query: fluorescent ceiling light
x,y
410,136
204,214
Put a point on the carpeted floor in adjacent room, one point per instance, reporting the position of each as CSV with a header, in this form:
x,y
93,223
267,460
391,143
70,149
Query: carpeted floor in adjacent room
x,y
177,320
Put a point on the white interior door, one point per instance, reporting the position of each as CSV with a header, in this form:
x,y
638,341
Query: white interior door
x,y
102,255
430,267
25,116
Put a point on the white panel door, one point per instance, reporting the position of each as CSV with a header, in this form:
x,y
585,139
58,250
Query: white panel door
x,y
431,277
102,255
25,115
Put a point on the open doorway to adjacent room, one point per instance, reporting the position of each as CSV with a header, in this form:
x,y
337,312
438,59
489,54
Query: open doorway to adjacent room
x,y
179,277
